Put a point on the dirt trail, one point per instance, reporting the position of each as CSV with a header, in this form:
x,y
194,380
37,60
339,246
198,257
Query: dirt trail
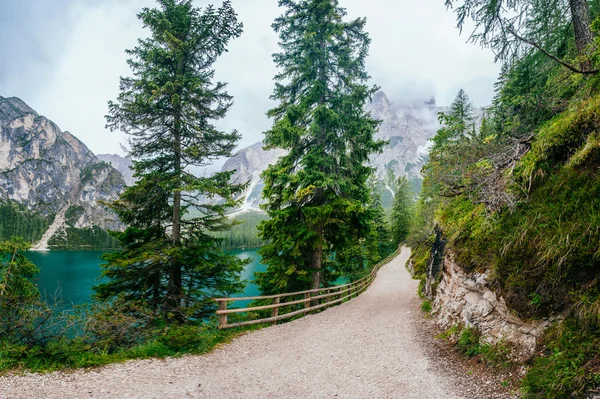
x,y
370,348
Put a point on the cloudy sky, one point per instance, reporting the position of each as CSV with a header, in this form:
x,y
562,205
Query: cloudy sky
x,y
64,58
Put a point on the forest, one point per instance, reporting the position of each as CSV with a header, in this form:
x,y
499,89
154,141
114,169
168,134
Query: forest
x,y
514,194
16,220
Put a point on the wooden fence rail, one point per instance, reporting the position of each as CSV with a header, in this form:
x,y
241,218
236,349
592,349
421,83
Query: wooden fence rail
x,y
320,298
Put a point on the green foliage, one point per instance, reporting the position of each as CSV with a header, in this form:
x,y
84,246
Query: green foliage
x,y
569,364
458,123
170,262
82,352
16,220
86,239
468,342
402,211
512,28
557,141
243,232
426,306
450,333
28,326
317,195
34,336
381,237
520,201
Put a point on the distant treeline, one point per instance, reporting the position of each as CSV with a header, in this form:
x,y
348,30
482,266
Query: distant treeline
x,y
17,220
91,238
245,233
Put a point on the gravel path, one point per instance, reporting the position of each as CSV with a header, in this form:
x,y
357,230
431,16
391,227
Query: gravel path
x,y
371,347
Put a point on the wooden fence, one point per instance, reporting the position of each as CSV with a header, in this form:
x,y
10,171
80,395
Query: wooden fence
x,y
298,303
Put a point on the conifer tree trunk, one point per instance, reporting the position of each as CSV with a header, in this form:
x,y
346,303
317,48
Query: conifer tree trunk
x,y
317,256
175,284
317,266
580,13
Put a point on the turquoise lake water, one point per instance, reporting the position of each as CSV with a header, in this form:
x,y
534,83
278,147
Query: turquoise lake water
x,y
72,274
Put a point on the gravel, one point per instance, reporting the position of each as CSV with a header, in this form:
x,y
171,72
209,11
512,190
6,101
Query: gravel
x,y
376,346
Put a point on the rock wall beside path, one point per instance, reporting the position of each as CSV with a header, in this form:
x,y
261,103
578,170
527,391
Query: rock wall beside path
x,y
467,299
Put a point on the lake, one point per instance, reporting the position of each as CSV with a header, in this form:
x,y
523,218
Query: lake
x,y
74,273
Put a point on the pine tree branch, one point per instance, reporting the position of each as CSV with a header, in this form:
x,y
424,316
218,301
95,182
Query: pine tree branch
x,y
550,55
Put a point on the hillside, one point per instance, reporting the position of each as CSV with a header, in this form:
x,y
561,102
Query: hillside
x,y
506,243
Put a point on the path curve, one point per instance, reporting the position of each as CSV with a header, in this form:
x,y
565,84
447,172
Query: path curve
x,y
367,348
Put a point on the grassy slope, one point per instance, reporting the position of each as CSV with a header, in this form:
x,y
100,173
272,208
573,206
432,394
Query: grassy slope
x,y
545,254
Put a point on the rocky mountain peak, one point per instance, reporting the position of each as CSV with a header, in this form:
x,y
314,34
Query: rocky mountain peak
x,y
431,103
380,105
122,164
12,108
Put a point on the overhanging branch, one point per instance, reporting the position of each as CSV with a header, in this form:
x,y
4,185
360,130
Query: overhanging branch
x,y
550,55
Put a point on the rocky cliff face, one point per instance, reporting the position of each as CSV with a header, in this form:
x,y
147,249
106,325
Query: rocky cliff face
x,y
248,164
51,172
408,128
122,164
466,299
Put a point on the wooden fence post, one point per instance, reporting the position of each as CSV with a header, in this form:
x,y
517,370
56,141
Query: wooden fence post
x,y
275,310
307,303
222,317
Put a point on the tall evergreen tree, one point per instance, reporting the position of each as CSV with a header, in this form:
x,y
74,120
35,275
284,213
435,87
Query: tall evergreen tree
x,y
402,212
458,123
169,261
317,195
381,237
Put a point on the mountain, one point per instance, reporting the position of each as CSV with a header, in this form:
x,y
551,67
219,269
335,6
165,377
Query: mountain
x,y
122,164
51,174
248,164
407,126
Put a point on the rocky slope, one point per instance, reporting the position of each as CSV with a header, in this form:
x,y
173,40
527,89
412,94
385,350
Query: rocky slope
x,y
122,164
407,126
248,164
52,173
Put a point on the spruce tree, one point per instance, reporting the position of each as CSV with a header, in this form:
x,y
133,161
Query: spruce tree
x,y
402,212
169,260
458,123
381,238
317,195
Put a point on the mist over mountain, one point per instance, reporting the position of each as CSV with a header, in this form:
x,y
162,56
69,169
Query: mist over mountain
x,y
407,126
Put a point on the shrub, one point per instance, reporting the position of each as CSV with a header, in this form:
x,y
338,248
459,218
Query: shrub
x,y
468,342
426,306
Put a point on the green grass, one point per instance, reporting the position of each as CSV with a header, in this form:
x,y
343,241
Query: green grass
x,y
73,354
469,344
426,306
569,364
